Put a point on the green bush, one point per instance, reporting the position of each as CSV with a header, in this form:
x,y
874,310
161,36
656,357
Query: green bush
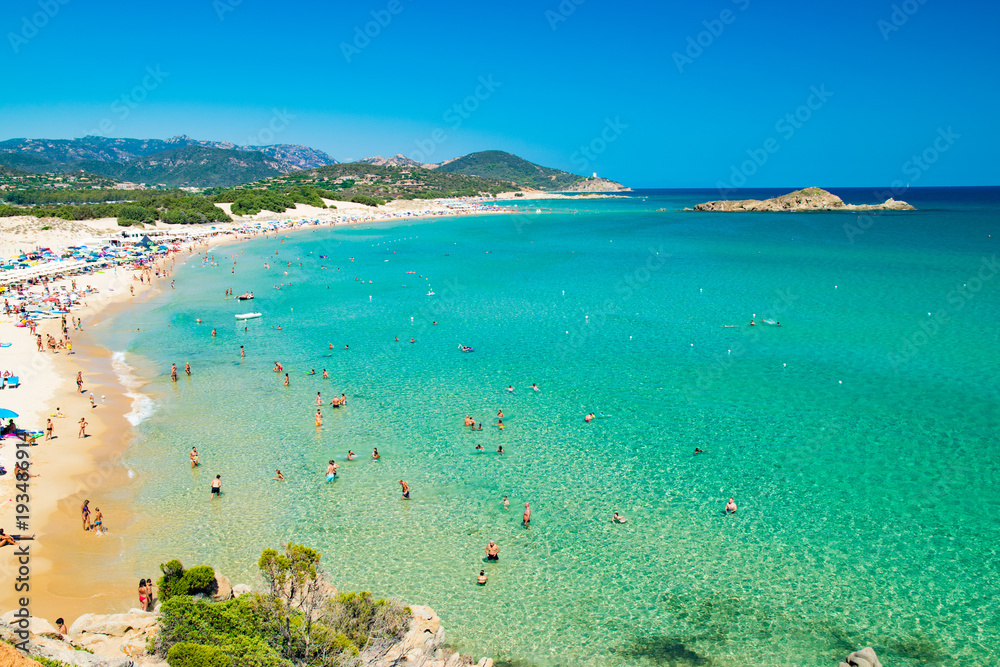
x,y
367,201
199,579
196,655
178,581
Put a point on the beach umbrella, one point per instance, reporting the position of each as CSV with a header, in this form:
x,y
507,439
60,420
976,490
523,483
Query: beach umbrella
x,y
7,414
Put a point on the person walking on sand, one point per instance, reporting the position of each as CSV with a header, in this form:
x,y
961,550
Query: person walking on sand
x,y
85,512
406,489
527,515
48,429
79,382
83,428
194,458
217,486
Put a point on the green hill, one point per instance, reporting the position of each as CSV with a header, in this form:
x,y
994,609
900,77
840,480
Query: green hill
x,y
384,182
194,166
507,167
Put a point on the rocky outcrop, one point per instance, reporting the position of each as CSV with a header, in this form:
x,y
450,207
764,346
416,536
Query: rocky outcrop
x,y
809,199
597,184
421,645
223,589
94,640
864,658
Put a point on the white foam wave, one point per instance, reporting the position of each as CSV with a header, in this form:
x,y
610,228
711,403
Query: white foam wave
x,y
142,405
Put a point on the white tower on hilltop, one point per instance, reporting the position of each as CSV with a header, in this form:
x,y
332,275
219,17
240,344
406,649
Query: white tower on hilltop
x,y
595,174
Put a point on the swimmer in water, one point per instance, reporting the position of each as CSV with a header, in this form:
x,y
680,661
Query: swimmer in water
x,y
618,518
700,451
325,376
375,455
500,414
589,418
412,341
506,503
510,389
480,448
731,507
278,477
481,579
500,449
312,372
534,387
351,455
277,367
500,425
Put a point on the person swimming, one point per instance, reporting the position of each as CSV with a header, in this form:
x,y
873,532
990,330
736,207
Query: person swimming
x,y
618,518
589,418
351,455
481,579
375,455
731,507
700,451
278,477
480,448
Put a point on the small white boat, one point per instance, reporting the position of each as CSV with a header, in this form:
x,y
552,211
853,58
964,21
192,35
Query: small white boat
x,y
247,316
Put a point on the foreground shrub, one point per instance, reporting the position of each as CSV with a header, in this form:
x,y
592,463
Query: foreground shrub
x,y
196,655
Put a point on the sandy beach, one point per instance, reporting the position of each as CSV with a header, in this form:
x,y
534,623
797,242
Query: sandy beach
x,y
73,571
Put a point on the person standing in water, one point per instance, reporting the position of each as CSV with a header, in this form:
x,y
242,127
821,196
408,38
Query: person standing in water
x,y
527,515
331,471
194,458
173,372
319,417
217,486
406,489
375,455
506,503
731,507
187,368
286,379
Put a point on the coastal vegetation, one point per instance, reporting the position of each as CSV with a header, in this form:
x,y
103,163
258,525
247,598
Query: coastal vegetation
x,y
299,621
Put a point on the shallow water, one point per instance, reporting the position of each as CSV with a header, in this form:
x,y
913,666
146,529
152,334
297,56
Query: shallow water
x,y
862,465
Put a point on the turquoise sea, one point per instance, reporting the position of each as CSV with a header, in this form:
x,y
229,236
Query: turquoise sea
x,y
859,437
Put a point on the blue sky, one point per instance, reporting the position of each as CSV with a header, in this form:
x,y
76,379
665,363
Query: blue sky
x,y
671,94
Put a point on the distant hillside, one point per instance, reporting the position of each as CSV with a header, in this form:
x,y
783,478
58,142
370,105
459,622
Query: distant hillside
x,y
115,157
507,167
11,171
349,179
192,166
398,160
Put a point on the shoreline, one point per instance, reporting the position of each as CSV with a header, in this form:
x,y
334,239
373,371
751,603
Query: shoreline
x,y
69,576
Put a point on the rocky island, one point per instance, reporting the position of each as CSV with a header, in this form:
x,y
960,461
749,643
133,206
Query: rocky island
x,y
808,199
